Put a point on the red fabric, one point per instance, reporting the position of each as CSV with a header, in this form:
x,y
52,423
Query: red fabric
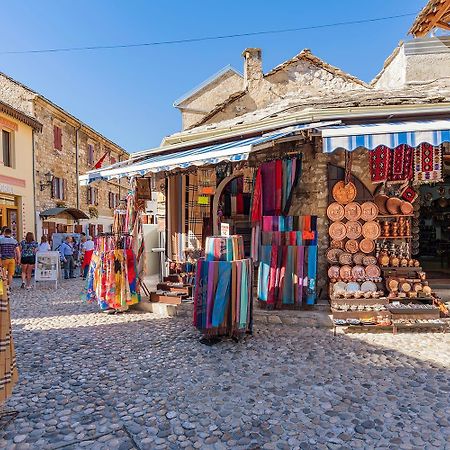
x,y
272,276
379,163
278,185
409,194
240,203
87,258
99,163
256,213
401,167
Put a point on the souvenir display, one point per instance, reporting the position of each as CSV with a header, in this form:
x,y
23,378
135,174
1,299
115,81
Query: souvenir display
x,y
333,272
427,164
346,272
345,258
368,286
344,193
336,244
372,271
371,230
358,272
335,212
333,255
367,245
353,230
352,211
358,258
352,246
369,211
337,231
219,248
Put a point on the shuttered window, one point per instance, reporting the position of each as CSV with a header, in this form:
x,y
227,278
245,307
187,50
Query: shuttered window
x,y
113,200
59,188
57,138
6,144
92,196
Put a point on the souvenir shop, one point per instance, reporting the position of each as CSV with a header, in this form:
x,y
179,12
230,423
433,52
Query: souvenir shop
x,y
378,204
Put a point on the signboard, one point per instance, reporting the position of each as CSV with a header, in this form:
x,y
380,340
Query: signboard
x,y
225,229
47,266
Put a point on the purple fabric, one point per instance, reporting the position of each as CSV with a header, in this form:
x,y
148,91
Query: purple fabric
x,y
300,264
210,295
268,188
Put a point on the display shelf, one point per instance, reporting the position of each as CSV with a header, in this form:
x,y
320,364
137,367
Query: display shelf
x,y
359,314
394,216
359,301
393,237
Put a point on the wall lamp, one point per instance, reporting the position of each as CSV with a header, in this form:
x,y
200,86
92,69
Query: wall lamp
x,y
48,177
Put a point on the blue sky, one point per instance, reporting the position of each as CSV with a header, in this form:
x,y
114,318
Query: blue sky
x,y
127,94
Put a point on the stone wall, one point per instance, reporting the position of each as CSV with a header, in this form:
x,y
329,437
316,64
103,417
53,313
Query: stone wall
x,y
16,95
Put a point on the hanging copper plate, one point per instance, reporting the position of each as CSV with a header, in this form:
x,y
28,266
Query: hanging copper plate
x,y
336,244
367,246
358,258
337,231
345,258
393,205
373,271
333,272
345,272
352,246
369,260
371,230
352,211
344,193
333,255
354,230
335,212
369,211
380,200
406,208
358,272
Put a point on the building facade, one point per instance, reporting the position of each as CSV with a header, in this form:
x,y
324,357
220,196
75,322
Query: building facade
x,y
65,148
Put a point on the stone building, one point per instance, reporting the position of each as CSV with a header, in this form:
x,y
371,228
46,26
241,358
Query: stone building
x,y
65,148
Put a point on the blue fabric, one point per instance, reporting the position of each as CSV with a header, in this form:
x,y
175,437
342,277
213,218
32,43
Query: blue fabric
x,y
263,272
244,295
312,273
222,293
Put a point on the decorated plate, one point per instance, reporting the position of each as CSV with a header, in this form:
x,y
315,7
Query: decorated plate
x,y
345,272
369,211
368,286
353,287
337,231
393,205
335,212
333,255
344,193
358,272
352,246
352,211
367,246
371,230
373,271
354,230
340,286
345,258
336,244
380,201
333,272
358,258
406,208
369,260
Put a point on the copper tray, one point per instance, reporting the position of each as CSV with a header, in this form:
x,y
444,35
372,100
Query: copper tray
x,y
369,211
345,272
380,200
369,260
358,258
333,255
371,230
352,246
406,208
373,271
367,246
344,193
335,212
336,244
333,272
345,258
337,231
393,205
352,211
354,230
358,272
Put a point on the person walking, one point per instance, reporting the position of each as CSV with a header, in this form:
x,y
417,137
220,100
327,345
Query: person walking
x,y
44,246
28,248
66,250
87,251
9,254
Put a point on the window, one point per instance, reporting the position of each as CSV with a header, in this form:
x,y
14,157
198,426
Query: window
x,y
7,147
59,188
90,154
92,196
113,200
57,138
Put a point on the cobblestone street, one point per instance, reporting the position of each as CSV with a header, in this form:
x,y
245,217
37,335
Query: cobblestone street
x,y
136,381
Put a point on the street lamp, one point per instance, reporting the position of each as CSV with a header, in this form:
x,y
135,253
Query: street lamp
x,y
48,177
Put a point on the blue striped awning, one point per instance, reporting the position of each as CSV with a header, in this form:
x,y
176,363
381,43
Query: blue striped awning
x,y
392,134
211,154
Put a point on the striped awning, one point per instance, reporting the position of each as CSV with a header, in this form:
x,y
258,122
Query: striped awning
x,y
391,134
212,154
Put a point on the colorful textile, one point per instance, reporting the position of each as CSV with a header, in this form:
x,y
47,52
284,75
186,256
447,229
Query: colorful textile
x,y
401,167
409,194
176,217
221,248
427,164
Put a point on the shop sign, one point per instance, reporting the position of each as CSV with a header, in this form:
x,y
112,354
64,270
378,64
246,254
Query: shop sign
x,y
47,266
225,229
6,189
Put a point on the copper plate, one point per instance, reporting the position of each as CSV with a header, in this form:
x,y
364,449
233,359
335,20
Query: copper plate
x,y
369,260
345,272
393,205
369,211
354,230
345,258
358,258
406,208
352,246
337,230
333,255
373,271
371,230
344,193
380,200
367,246
358,272
335,212
352,211
336,244
333,272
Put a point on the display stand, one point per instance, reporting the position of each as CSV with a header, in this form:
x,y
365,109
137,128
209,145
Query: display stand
x,y
47,267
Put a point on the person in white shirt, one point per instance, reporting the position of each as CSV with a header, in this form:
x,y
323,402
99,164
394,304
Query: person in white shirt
x,y
87,249
44,246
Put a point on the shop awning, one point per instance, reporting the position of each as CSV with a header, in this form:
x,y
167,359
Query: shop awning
x,y
391,134
212,154
77,214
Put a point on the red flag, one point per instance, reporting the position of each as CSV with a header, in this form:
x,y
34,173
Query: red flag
x,y
99,163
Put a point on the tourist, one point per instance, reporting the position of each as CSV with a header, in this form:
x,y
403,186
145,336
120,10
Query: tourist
x,y
87,251
9,253
44,246
28,248
66,250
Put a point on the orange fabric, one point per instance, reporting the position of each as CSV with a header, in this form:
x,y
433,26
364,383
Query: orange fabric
x,y
10,266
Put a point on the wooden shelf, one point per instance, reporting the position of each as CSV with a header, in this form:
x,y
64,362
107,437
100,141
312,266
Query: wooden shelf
x,y
392,237
394,215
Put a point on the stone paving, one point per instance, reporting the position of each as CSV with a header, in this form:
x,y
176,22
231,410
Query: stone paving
x,y
138,381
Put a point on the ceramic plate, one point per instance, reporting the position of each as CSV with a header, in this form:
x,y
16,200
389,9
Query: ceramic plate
x,y
368,286
353,287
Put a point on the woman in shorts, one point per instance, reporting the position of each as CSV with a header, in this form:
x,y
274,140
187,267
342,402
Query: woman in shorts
x,y
28,248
